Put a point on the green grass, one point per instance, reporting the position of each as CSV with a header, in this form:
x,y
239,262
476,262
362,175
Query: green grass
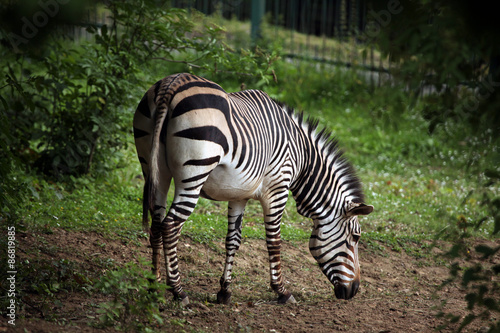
x,y
347,49
103,207
421,186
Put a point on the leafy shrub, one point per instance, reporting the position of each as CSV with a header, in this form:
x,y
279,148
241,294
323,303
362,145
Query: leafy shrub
x,y
70,106
49,279
136,297
12,191
437,44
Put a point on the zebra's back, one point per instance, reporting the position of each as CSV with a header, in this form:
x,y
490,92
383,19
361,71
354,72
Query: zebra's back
x,y
235,139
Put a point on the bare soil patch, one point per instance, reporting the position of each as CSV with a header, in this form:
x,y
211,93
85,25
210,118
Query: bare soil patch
x,y
398,292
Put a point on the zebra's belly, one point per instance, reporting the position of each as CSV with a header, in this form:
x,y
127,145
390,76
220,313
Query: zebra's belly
x,y
226,184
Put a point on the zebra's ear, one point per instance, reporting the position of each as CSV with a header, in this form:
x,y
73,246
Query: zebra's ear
x,y
360,209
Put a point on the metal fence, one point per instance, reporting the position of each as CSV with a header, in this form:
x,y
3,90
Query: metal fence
x,y
330,18
91,18
327,31
321,31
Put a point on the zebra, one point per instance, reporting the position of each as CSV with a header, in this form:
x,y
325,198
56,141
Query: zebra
x,y
240,146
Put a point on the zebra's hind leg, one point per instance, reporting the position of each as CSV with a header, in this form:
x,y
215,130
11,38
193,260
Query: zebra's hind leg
x,y
156,245
158,213
233,241
182,206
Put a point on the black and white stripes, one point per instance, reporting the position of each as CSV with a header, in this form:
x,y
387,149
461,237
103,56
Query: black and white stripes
x,y
240,146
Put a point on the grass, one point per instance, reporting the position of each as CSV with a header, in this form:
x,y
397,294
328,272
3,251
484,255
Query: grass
x,y
420,185
104,207
424,187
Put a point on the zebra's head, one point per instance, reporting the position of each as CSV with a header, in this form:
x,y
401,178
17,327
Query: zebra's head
x,y
334,244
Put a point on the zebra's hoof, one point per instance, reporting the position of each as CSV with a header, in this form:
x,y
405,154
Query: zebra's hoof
x,y
286,298
185,301
224,297
182,297
145,228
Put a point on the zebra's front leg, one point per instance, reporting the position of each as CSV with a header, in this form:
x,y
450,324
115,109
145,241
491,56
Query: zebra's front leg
x,y
233,241
272,219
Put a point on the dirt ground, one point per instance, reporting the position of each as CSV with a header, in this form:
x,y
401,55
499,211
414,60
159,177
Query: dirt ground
x,y
398,292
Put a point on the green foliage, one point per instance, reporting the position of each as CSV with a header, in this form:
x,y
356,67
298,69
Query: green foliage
x,y
51,280
451,46
13,191
69,108
491,199
135,295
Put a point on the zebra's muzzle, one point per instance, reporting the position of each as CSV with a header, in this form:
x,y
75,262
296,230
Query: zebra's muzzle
x,y
343,292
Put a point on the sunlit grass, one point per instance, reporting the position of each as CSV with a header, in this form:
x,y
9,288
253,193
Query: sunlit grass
x,y
291,42
421,186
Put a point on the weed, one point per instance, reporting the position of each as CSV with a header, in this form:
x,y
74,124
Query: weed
x,y
51,280
136,298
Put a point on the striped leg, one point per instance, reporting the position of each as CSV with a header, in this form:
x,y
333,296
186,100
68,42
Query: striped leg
x,y
233,241
171,227
155,236
272,218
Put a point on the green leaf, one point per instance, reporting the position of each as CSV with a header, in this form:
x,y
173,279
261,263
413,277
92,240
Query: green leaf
x,y
104,30
4,102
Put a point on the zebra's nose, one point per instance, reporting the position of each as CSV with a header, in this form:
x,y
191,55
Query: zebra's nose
x,y
354,288
343,292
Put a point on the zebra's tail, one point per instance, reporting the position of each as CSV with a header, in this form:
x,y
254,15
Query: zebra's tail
x,y
145,206
152,181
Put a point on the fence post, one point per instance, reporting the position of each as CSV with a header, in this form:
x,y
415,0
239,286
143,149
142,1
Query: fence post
x,y
257,13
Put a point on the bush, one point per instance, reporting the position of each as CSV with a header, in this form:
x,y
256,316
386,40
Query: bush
x,y
12,190
451,46
70,105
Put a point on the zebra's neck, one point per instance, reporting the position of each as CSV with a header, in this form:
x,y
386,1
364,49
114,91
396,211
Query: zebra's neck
x,y
325,180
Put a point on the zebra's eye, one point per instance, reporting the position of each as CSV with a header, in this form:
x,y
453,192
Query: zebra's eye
x,y
356,237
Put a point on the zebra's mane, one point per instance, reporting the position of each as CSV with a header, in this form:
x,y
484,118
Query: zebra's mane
x,y
329,146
